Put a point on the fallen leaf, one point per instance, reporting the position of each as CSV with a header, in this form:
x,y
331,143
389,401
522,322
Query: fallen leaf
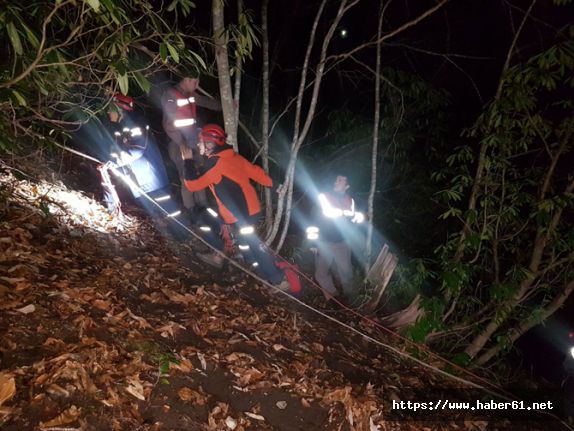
x,y
135,388
476,425
101,304
55,389
13,280
66,417
230,422
185,394
254,416
185,366
7,387
201,358
30,308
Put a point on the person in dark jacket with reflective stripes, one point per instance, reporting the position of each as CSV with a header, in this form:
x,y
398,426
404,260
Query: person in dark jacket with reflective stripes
x,y
180,124
334,220
229,176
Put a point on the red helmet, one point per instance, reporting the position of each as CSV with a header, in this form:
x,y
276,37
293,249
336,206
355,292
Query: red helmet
x,y
123,102
212,133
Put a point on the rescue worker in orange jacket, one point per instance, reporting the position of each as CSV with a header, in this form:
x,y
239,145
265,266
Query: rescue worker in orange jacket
x,y
229,176
180,123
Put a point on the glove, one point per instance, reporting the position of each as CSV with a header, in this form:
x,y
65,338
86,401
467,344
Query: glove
x,y
186,153
109,165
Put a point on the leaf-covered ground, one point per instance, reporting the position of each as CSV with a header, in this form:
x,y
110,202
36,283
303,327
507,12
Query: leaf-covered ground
x,y
109,326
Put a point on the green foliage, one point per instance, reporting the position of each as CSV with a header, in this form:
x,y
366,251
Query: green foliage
x,y
64,59
184,5
526,139
241,37
409,280
431,320
164,362
461,359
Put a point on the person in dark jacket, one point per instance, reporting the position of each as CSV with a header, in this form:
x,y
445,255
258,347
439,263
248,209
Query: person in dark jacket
x,y
179,105
135,157
229,176
335,218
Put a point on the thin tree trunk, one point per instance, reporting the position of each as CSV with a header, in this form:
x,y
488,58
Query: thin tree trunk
x,y
472,200
481,163
319,72
528,324
284,190
375,146
285,196
238,74
223,73
265,111
540,242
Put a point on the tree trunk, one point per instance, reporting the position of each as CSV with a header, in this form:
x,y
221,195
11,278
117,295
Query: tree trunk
x,y
375,147
319,72
380,275
223,73
534,267
265,111
472,200
481,162
238,74
405,317
281,198
525,326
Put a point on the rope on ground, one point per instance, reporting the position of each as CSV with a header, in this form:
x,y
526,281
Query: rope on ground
x,y
496,391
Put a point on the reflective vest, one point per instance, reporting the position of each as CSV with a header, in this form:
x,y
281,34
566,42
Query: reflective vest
x,y
334,206
185,114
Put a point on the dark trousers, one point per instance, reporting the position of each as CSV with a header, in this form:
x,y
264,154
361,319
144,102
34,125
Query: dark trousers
x,y
210,226
254,251
190,199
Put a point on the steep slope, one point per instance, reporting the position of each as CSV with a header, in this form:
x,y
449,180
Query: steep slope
x,y
109,326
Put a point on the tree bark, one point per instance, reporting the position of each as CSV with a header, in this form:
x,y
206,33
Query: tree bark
x,y
375,147
238,74
319,72
540,242
265,111
528,324
223,73
283,192
481,162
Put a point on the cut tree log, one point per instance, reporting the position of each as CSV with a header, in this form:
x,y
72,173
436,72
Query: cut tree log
x,y
380,274
404,317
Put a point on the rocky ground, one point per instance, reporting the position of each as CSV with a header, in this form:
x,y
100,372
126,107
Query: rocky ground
x,y
106,325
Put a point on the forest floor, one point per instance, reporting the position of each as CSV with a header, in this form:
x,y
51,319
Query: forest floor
x,y
110,326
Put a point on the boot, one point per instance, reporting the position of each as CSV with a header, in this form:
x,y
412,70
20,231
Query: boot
x,y
284,286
